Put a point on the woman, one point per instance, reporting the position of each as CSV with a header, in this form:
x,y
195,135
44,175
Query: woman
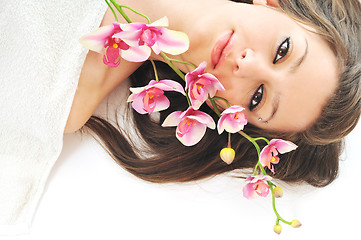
x,y
295,65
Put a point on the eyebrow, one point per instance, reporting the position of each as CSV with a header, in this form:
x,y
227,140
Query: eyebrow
x,y
299,61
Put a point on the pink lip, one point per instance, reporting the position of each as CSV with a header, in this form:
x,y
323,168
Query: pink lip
x,y
218,49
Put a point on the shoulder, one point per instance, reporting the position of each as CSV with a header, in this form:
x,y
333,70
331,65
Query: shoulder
x,y
96,82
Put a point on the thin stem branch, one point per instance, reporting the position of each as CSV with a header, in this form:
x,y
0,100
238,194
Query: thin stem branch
x,y
115,15
215,108
261,138
155,71
183,62
229,140
120,10
279,218
223,99
169,62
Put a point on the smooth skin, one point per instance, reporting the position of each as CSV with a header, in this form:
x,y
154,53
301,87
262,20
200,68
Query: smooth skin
x,y
275,67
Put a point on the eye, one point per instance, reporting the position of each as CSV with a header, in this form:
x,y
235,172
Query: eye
x,y
256,98
282,50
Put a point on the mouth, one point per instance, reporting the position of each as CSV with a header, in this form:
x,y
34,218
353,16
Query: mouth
x,y
218,51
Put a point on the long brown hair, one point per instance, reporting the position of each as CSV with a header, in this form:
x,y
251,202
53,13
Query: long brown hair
x,y
162,158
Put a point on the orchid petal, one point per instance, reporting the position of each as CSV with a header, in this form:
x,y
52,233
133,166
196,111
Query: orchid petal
x,y
265,155
134,26
129,37
111,56
173,42
95,41
162,22
196,104
256,186
248,191
136,54
156,48
200,69
263,189
233,109
232,120
283,146
137,103
171,85
204,118
269,153
162,103
229,124
194,135
172,119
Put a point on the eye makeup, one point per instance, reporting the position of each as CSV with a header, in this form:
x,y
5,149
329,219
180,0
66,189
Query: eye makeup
x,y
282,50
256,98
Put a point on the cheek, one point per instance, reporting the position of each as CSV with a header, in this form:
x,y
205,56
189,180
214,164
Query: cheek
x,y
234,97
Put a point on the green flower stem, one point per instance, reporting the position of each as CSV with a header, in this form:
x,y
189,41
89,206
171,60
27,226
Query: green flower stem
x,y
140,14
260,168
120,10
258,165
223,99
188,100
183,62
261,138
175,69
115,15
155,71
214,105
251,139
279,218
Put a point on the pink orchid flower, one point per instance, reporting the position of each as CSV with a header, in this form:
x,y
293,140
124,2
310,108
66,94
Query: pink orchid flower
x,y
103,41
151,98
232,120
201,85
191,125
256,186
269,154
154,36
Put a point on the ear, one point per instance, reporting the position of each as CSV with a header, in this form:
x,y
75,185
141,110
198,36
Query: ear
x,y
271,3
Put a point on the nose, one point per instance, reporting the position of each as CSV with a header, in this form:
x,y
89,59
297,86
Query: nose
x,y
248,63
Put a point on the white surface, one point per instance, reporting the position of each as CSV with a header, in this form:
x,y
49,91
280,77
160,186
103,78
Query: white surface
x,y
41,61
88,196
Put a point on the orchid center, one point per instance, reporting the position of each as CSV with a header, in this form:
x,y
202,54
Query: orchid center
x,y
185,126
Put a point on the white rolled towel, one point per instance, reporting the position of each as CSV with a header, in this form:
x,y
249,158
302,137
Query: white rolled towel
x,y
40,64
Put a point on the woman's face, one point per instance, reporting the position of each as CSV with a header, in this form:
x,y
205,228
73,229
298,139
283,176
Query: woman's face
x,y
268,63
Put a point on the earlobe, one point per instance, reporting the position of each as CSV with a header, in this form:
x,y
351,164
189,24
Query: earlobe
x,y
270,3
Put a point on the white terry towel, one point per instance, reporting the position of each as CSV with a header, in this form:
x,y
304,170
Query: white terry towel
x,y
40,64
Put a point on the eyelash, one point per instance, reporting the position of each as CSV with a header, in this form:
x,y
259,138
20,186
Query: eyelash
x,y
286,43
258,94
254,101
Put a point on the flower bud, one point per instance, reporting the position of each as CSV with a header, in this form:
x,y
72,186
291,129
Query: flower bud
x,y
296,224
277,228
278,192
227,155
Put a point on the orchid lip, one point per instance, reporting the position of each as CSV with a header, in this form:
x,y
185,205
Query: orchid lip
x,y
218,50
